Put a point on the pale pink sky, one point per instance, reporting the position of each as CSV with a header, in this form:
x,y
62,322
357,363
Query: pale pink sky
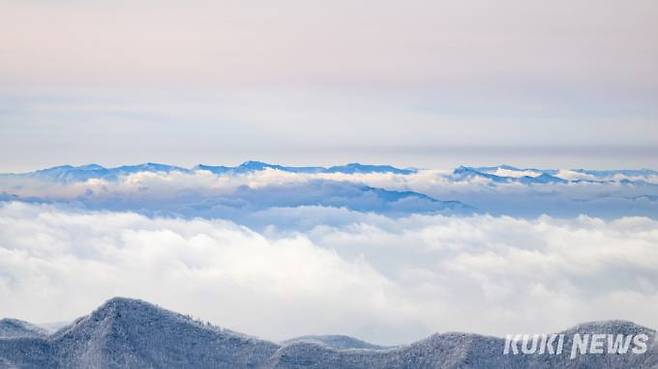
x,y
409,82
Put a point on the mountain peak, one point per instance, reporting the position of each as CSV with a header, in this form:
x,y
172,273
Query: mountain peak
x,y
254,163
605,326
119,302
92,166
354,168
127,308
336,342
131,333
14,328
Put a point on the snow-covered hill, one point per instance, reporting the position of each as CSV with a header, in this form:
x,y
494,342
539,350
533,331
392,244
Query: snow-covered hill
x,y
14,328
125,333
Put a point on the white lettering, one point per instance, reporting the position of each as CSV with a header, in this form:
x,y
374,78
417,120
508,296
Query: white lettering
x,y
579,345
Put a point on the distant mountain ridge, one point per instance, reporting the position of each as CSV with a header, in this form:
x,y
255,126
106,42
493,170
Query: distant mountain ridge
x,y
531,176
496,174
469,173
69,173
133,334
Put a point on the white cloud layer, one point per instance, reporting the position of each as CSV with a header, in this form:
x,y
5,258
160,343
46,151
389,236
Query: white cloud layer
x,y
385,280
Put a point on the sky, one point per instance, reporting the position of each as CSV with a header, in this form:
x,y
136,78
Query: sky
x,y
424,83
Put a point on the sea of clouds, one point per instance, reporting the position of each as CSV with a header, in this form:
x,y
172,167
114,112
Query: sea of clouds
x,y
387,280
382,256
